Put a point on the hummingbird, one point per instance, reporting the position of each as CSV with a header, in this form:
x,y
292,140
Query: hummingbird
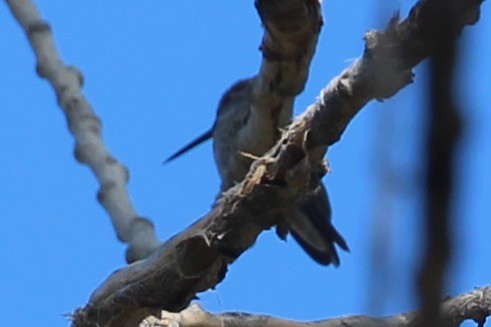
x,y
240,128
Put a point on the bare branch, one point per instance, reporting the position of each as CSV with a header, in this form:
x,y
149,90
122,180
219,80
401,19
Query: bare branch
x,y
197,258
85,127
474,305
385,67
291,30
290,38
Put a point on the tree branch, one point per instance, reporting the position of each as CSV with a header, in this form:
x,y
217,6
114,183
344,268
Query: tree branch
x,y
138,232
444,131
197,258
385,67
474,305
291,30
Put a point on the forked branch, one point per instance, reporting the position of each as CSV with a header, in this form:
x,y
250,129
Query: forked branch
x,y
197,259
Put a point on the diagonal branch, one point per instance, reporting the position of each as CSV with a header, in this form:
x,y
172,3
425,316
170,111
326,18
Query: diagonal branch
x,y
138,232
474,305
197,258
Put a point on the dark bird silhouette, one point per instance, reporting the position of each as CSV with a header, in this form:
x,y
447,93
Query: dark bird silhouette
x,y
240,128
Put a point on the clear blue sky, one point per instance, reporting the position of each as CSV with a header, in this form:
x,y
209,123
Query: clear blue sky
x,y
154,72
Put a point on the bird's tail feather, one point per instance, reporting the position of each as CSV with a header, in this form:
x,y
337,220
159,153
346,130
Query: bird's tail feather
x,y
310,225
